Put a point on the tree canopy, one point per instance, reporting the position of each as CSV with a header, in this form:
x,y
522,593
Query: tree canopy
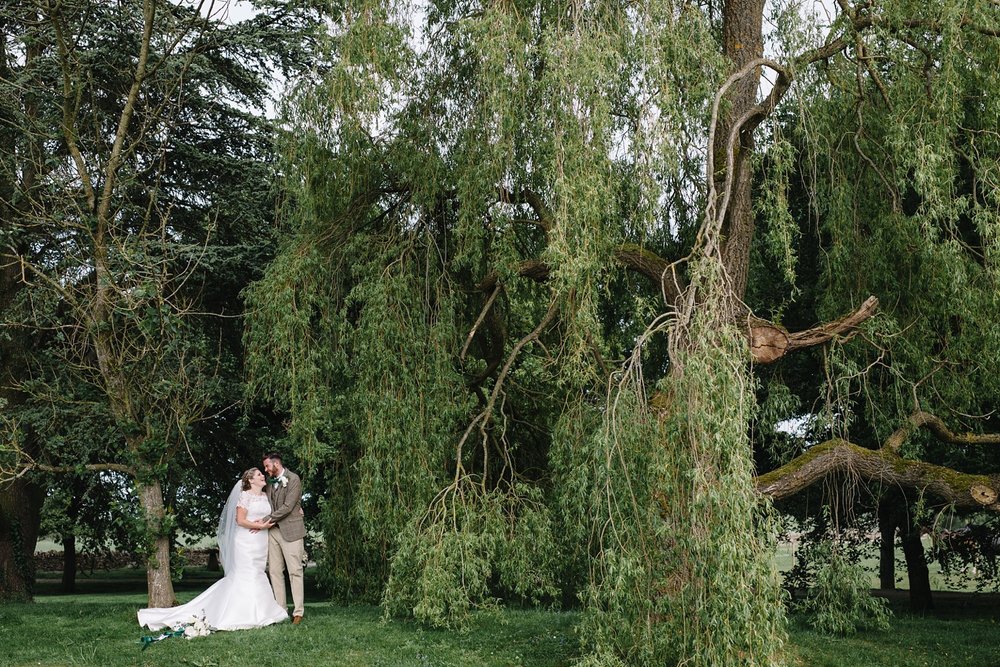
x,y
535,248
549,278
136,199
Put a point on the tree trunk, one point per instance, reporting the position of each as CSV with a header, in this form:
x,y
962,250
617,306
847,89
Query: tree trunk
x,y
69,539
20,514
742,41
887,521
69,564
158,583
916,568
213,561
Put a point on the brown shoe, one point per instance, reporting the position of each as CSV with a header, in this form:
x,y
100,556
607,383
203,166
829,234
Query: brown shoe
x,y
296,620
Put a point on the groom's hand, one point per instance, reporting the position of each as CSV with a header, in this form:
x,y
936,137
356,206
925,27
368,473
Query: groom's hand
x,y
262,525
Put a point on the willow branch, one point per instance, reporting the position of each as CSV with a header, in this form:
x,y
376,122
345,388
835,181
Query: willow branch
x,y
631,256
770,342
483,418
527,196
935,425
482,316
883,466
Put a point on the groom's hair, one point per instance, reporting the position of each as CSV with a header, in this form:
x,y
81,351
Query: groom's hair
x,y
273,455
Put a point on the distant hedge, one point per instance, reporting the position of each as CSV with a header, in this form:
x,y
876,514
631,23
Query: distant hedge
x,y
52,561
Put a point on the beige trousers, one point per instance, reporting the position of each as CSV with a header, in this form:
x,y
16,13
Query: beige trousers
x,y
279,554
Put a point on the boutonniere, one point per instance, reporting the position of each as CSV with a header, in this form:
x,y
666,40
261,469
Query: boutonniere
x,y
280,479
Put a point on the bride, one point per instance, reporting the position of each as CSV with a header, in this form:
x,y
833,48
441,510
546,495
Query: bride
x,y
243,597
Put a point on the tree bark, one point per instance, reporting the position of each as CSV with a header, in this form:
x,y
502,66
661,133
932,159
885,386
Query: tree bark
x,y
160,587
742,42
69,564
884,465
20,515
887,545
916,567
770,342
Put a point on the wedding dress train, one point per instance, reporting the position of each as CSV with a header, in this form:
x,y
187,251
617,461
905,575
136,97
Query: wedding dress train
x,y
240,600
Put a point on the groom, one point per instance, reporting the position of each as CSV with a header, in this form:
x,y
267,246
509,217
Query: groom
x,y
285,547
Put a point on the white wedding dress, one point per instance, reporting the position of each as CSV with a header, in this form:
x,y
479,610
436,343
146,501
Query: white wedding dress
x,y
240,600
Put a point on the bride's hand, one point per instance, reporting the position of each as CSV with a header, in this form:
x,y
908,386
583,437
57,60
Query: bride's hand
x,y
260,525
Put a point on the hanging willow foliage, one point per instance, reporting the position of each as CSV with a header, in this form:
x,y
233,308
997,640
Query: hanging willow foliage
x,y
465,182
911,210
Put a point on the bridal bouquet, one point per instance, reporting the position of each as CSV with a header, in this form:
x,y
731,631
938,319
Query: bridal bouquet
x,y
195,627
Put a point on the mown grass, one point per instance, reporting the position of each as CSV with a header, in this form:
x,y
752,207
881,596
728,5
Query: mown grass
x,y
97,626
910,642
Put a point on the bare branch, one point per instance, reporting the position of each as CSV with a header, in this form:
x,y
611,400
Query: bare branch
x,y
881,466
483,418
482,316
935,425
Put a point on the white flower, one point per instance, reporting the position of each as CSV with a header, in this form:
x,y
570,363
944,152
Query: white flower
x,y
283,480
190,632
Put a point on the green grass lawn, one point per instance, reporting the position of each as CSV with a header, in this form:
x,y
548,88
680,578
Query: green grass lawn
x,y
98,627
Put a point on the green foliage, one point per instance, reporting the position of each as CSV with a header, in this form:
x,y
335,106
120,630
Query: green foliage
x,y
608,480
723,532
471,545
840,601
969,553
772,208
906,215
779,405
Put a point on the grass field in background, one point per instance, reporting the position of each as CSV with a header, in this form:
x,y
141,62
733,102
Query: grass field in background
x,y
98,626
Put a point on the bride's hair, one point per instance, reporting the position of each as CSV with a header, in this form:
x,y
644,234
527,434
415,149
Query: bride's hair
x,y
246,477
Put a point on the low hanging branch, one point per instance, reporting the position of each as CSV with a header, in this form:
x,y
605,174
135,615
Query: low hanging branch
x,y
887,467
26,464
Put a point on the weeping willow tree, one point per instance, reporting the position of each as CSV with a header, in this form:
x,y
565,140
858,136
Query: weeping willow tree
x,y
899,156
508,321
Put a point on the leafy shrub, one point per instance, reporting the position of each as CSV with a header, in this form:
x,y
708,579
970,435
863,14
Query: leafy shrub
x,y
840,602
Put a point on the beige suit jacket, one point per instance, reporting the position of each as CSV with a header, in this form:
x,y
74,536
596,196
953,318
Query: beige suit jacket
x,y
286,506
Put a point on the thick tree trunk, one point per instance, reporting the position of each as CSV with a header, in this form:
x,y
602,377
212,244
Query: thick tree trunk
x,y
160,587
20,514
916,568
742,42
887,546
